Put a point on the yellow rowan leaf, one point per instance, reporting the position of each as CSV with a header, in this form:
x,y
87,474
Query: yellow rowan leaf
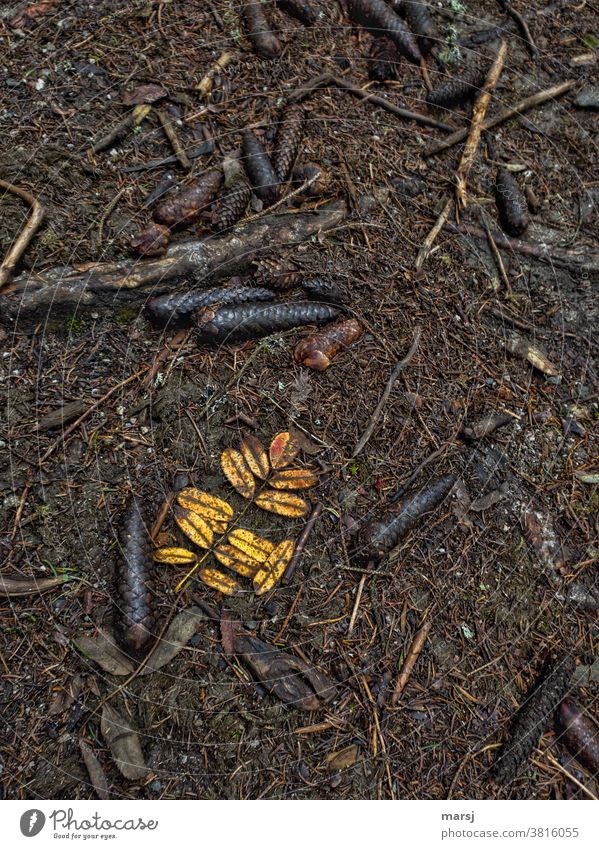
x,y
272,570
293,479
249,543
236,560
237,472
283,503
209,507
283,450
175,556
255,456
219,581
193,526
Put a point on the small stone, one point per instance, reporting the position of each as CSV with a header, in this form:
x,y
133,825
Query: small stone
x,y
588,98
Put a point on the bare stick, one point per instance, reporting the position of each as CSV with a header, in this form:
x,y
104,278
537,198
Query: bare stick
x,y
387,391
478,117
18,586
330,81
410,661
171,134
19,246
301,543
430,239
497,257
354,615
565,258
504,115
522,26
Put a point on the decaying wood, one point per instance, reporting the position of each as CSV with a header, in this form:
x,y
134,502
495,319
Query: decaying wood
x,y
478,117
64,414
330,81
387,391
579,733
106,286
19,246
410,661
504,115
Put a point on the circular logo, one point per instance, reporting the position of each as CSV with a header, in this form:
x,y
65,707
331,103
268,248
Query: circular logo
x,y
32,822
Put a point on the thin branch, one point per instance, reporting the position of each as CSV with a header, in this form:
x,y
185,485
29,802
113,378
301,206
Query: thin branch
x,y
387,391
330,81
504,115
478,117
19,246
430,239
301,543
171,134
410,661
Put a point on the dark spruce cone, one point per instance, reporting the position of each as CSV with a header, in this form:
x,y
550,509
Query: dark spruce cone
x,y
511,205
278,274
378,538
324,290
301,10
177,310
263,39
289,136
135,619
184,207
253,321
228,209
533,717
259,168
379,19
458,90
383,60
421,23
580,734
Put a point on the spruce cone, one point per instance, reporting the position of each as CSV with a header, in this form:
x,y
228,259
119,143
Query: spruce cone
x,y
533,717
253,321
135,619
383,60
229,209
259,168
511,205
380,19
301,10
289,136
152,240
263,39
458,90
181,209
277,274
177,310
421,23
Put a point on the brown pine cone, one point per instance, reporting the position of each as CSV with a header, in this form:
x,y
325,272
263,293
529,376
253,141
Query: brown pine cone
x,y
152,240
278,274
183,208
228,210
289,136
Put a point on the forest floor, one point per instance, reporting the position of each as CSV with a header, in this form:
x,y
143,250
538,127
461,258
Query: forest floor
x,y
498,606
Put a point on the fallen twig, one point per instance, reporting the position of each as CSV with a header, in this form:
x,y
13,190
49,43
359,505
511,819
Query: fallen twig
x,y
17,586
354,615
566,258
430,239
301,543
522,26
20,244
330,81
478,117
504,115
171,134
386,392
410,661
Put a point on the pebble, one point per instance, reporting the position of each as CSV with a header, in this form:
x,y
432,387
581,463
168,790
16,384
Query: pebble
x,y
588,98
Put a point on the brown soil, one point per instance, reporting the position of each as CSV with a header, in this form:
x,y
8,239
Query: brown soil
x,y
497,607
